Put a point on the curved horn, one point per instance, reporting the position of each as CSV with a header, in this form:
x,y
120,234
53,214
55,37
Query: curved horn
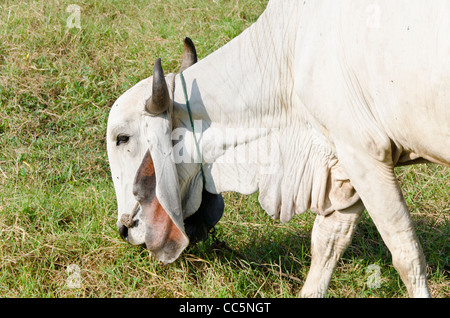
x,y
190,54
160,100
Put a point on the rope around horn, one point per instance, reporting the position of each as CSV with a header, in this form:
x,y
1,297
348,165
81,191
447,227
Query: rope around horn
x,y
127,219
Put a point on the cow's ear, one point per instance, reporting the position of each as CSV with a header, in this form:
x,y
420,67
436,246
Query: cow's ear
x,y
161,212
198,225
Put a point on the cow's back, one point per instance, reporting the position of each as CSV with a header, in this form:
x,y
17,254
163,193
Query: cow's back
x,y
380,70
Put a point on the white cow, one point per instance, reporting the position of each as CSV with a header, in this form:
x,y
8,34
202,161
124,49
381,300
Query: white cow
x,y
313,106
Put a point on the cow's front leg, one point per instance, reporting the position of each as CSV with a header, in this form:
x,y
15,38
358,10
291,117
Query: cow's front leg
x,y
377,186
331,236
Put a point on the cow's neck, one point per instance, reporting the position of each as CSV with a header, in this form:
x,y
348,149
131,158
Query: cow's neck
x,y
251,135
229,95
242,83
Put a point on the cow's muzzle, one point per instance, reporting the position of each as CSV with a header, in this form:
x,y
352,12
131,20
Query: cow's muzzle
x,y
123,232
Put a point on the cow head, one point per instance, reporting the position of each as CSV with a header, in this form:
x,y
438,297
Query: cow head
x,y
155,206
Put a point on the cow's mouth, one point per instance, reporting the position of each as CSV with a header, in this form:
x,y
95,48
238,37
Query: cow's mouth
x,y
194,235
123,232
127,221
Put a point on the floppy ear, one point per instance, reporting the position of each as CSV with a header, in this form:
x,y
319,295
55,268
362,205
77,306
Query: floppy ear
x,y
198,225
165,237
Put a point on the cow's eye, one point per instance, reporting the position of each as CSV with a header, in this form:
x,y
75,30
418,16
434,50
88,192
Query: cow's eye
x,y
122,139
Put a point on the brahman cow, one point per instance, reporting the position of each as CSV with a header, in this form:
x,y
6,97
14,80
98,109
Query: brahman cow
x,y
313,106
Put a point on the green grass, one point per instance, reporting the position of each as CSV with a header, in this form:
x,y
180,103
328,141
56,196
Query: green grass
x,y
57,202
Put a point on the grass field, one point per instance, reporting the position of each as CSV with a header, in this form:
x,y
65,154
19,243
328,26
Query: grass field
x,y
57,203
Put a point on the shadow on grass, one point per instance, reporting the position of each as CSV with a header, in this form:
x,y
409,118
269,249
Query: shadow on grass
x,y
286,253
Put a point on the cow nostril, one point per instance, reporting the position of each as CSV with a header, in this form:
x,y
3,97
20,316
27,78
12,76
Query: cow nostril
x,y
123,231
